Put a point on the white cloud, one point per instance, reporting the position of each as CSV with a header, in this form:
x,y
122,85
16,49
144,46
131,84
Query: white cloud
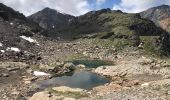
x,y
134,6
28,7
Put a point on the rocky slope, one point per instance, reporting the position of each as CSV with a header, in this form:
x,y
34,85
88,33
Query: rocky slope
x,y
159,15
129,29
18,36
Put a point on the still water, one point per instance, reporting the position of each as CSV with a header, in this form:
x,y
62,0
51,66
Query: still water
x,y
81,79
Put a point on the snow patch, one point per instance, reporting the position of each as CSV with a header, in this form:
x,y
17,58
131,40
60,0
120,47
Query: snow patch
x,y
11,23
29,39
145,84
13,49
53,26
2,51
37,73
1,44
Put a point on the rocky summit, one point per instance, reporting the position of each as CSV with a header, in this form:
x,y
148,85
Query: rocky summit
x,y
116,55
159,15
50,18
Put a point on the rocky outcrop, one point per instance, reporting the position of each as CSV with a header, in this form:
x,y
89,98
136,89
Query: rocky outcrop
x,y
63,69
142,66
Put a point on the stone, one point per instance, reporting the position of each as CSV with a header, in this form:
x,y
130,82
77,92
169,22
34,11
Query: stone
x,y
66,98
27,82
80,66
102,90
145,61
69,66
30,71
145,84
13,69
15,92
5,74
168,92
45,95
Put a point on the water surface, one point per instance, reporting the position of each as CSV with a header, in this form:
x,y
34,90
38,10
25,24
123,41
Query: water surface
x,y
82,79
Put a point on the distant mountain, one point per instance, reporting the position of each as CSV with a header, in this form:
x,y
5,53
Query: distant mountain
x,y
9,14
128,29
106,21
160,15
50,18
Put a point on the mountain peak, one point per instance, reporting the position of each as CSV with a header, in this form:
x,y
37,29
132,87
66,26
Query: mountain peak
x,y
163,6
50,18
50,10
47,10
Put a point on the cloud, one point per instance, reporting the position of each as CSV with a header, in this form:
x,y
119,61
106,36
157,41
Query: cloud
x,y
28,7
134,6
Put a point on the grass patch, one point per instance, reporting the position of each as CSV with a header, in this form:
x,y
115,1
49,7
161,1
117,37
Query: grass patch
x,y
122,43
75,57
149,45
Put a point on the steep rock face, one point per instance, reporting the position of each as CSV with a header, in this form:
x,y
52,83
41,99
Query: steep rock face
x,y
50,18
159,15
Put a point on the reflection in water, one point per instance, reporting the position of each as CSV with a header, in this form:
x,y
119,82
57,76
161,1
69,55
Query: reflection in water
x,y
83,79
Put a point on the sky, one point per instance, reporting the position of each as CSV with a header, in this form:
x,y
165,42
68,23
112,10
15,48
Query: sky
x,y
79,7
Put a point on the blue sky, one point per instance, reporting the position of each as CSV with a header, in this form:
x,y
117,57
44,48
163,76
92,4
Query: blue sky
x,y
79,7
106,4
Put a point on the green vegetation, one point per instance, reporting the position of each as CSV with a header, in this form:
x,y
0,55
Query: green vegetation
x,y
150,44
75,57
122,30
122,43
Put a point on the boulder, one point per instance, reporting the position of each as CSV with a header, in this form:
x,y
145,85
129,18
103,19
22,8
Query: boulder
x,y
65,89
80,66
45,95
69,66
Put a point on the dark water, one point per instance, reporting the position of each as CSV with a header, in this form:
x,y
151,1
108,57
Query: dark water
x,y
83,79
92,63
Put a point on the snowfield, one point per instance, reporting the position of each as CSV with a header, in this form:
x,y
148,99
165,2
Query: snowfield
x,y
13,49
29,39
2,51
1,44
